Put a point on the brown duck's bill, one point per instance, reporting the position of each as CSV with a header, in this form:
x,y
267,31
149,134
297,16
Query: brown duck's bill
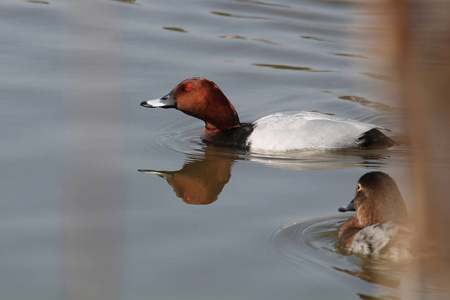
x,y
349,207
166,101
167,175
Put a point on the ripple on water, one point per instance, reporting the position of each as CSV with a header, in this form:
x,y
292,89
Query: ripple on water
x,y
169,139
311,247
163,138
181,138
310,242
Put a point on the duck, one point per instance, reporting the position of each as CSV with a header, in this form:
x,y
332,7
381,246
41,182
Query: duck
x,y
379,226
278,132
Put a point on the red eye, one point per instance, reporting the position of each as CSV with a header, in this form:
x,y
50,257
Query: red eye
x,y
188,88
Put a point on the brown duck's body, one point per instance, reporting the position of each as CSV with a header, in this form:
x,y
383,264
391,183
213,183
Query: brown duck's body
x,y
203,99
380,216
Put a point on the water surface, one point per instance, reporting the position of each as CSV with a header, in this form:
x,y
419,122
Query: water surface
x,y
139,193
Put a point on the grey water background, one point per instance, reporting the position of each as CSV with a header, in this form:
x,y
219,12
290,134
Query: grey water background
x,y
82,205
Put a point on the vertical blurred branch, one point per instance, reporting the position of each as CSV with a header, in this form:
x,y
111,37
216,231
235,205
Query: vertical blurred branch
x,y
419,42
94,141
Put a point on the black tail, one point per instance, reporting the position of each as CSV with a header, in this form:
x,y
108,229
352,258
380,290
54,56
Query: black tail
x,y
375,138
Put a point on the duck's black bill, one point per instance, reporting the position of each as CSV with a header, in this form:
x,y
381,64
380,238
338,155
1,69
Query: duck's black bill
x,y
349,207
164,102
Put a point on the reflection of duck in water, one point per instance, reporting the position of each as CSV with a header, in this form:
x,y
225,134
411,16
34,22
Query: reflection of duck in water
x,y
279,132
201,180
377,226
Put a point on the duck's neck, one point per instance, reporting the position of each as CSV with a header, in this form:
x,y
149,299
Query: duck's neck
x,y
222,117
210,131
348,231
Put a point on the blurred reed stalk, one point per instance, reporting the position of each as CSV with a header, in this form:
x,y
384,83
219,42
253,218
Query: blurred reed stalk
x,y
416,48
94,142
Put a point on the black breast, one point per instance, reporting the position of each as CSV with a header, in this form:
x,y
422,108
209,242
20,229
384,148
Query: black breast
x,y
235,137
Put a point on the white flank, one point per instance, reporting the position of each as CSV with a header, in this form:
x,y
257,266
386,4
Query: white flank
x,y
289,131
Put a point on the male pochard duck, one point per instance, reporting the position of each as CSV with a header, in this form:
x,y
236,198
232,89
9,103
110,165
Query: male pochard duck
x,y
203,99
378,227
